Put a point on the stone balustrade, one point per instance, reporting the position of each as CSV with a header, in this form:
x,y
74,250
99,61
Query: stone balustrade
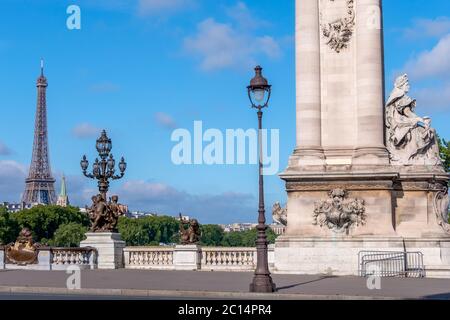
x,y
212,258
148,257
61,258
50,258
221,258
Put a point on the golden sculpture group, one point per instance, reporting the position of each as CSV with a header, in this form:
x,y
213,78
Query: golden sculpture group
x,y
24,251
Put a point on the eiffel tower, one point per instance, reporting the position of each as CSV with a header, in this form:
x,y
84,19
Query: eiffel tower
x,y
39,186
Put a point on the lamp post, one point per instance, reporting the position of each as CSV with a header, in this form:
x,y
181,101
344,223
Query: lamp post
x,y
259,92
103,169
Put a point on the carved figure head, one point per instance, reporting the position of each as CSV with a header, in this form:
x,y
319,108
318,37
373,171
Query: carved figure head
x,y
115,199
194,223
337,194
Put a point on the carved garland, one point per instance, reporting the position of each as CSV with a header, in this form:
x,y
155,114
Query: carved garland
x,y
339,213
339,32
441,206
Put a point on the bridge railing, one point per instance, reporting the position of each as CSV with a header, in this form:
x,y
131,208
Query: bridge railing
x,y
61,258
158,258
211,258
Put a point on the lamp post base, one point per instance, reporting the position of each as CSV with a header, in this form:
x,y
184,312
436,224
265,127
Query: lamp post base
x,y
263,284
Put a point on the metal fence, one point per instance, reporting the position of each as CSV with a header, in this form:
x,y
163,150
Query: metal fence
x,y
391,264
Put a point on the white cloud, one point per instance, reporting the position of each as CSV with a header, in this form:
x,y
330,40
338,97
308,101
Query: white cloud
x,y
165,120
154,7
12,180
431,63
224,207
4,150
269,46
242,15
428,28
220,45
86,130
208,208
433,99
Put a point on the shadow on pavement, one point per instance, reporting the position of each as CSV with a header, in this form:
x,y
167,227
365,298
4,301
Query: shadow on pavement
x,y
440,296
303,283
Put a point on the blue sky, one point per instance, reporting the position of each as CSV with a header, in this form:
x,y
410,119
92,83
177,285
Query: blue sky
x,y
141,68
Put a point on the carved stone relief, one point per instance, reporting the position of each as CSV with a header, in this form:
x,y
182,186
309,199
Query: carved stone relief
x,y
441,206
338,33
339,213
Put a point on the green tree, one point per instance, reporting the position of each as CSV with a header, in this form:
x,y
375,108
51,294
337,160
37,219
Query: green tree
x,y
246,238
133,231
444,148
43,221
69,235
212,235
148,230
9,229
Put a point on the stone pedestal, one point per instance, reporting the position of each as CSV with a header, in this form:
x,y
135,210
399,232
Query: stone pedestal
x,y
109,248
187,257
339,256
401,214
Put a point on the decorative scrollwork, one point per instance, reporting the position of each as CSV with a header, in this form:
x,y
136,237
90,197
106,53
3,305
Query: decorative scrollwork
x,y
339,213
339,32
441,206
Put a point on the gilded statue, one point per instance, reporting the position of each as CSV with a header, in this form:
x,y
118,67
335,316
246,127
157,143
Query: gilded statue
x,y
24,251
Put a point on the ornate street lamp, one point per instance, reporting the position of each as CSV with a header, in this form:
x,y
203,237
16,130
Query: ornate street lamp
x,y
103,169
259,92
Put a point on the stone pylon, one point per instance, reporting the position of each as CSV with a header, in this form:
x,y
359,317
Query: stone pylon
x,y
345,195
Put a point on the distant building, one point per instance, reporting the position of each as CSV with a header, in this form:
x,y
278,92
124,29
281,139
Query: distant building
x,y
278,229
140,214
63,199
239,227
16,207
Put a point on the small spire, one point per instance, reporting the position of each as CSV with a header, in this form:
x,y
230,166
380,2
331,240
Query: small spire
x,y
42,67
63,187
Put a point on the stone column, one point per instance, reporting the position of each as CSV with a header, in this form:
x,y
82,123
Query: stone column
x,y
308,96
370,149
